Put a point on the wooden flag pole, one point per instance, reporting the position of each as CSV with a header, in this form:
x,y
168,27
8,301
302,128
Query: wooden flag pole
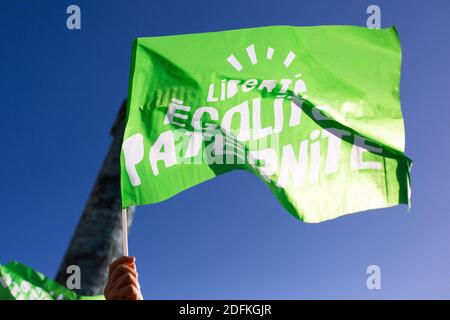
x,y
124,232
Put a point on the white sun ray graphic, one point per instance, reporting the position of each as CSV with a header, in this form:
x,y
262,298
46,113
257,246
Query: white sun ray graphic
x,y
269,54
289,59
251,53
235,63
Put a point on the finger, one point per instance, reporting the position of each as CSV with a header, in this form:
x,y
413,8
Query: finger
x,y
106,290
126,293
119,271
126,279
120,261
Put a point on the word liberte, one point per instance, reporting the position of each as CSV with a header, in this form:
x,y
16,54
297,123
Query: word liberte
x,y
249,143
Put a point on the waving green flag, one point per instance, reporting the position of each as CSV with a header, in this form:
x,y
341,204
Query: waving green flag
x,y
19,282
312,111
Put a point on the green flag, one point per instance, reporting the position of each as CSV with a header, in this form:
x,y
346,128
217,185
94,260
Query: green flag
x,y
312,111
19,282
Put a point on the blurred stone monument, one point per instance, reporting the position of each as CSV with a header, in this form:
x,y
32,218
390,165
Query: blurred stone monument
x,y
97,239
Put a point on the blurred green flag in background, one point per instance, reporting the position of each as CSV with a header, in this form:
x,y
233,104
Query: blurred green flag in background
x,y
19,282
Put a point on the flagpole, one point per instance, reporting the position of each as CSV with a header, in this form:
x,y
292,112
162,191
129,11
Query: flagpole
x,y
125,232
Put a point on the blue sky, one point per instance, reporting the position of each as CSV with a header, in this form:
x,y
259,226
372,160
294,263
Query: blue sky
x,y
228,237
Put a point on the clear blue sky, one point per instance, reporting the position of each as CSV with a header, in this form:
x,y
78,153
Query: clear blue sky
x,y
60,92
